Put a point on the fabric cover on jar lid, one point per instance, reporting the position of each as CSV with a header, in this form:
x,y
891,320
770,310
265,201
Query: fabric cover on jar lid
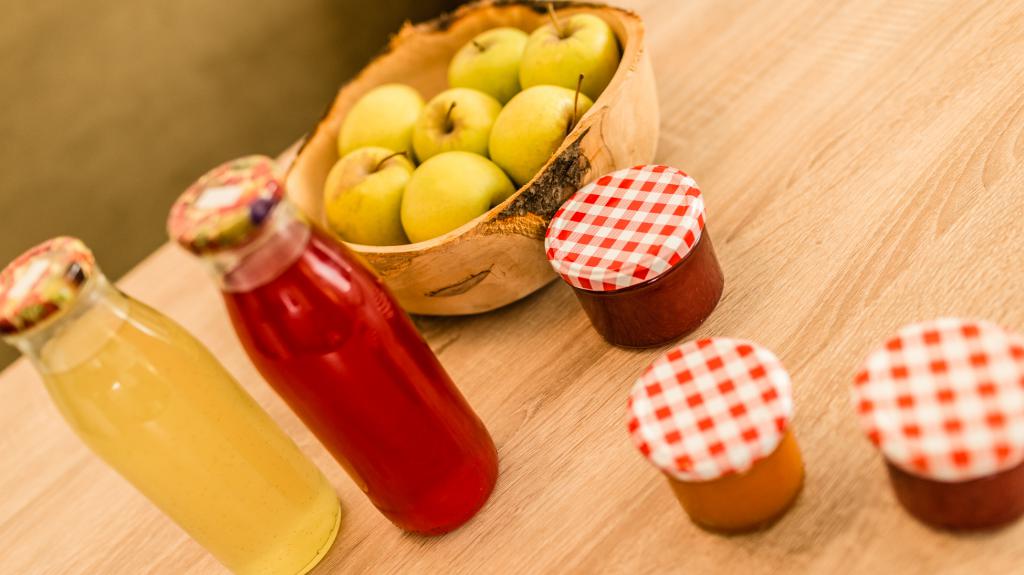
x,y
626,228
226,206
944,399
710,408
42,282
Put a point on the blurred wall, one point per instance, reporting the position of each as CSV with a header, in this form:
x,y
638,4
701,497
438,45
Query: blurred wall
x,y
108,109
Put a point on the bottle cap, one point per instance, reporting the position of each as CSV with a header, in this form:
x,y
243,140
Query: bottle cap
x,y
42,282
227,206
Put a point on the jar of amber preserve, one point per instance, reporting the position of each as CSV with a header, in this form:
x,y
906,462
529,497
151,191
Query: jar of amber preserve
x,y
944,403
634,247
713,415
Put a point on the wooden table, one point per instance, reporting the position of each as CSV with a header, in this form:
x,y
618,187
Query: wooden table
x,y
860,161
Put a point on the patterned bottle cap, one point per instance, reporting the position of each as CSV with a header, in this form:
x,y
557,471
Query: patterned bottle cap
x,y
42,282
944,399
225,207
710,408
628,227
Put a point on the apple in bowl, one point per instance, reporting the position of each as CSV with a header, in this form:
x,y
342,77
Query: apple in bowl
x,y
490,63
458,119
448,190
384,117
532,126
560,51
363,196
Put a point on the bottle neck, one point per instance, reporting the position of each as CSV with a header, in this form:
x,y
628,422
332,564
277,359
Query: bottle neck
x,y
75,334
278,245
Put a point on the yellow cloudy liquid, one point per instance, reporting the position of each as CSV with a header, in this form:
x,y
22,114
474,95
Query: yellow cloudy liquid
x,y
155,404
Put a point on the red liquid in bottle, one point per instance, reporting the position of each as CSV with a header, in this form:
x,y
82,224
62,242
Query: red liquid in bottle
x,y
331,340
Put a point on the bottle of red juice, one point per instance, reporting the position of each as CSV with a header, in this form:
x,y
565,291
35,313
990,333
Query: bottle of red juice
x,y
329,337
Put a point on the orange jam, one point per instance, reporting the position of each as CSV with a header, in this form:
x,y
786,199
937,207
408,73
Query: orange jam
x,y
749,500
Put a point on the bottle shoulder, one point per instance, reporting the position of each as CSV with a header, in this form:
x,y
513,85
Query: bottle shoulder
x,y
316,306
118,330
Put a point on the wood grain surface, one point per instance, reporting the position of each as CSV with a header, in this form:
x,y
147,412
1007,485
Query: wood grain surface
x,y
861,165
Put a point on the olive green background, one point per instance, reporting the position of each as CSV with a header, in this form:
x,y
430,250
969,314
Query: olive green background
x,y
108,109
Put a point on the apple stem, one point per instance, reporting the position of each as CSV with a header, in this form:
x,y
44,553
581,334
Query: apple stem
x,y
554,20
479,46
388,157
448,126
575,105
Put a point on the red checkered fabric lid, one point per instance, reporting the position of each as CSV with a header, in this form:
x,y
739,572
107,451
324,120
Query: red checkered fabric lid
x,y
626,228
944,399
710,408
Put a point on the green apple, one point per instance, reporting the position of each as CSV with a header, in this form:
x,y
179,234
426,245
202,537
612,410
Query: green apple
x,y
363,196
531,127
459,119
558,52
449,190
383,117
490,63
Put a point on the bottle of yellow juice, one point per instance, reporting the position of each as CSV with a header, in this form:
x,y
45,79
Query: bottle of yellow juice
x,y
150,400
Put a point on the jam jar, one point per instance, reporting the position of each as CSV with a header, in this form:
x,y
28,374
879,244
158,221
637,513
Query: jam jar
x,y
943,401
329,337
635,249
714,416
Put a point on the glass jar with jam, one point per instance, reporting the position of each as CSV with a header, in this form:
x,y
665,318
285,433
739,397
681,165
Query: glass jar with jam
x,y
943,401
634,247
330,339
156,405
714,416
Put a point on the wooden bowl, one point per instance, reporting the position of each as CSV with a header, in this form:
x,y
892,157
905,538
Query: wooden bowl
x,y
498,257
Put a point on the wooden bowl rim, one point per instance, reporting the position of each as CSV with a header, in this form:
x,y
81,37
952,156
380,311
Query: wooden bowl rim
x,y
632,54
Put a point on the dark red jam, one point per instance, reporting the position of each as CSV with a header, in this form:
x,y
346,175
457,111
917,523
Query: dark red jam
x,y
661,309
984,503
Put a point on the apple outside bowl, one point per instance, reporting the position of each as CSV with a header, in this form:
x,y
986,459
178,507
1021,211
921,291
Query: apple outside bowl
x,y
498,257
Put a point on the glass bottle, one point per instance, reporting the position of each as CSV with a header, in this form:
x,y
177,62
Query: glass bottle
x,y
152,402
329,337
